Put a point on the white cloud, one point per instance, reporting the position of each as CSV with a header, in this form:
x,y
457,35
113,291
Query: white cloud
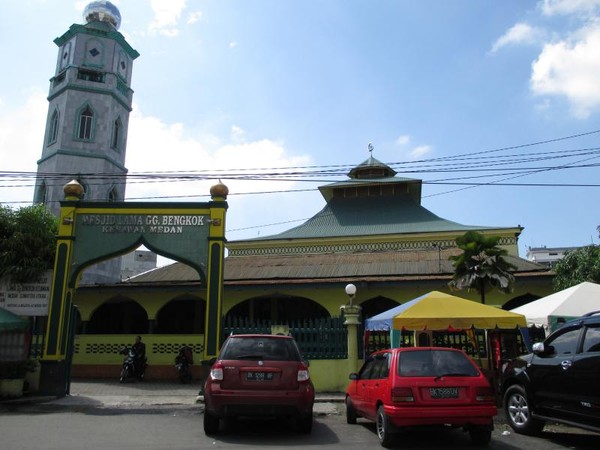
x,y
166,16
403,140
156,146
521,33
194,17
233,44
420,151
570,68
568,7
21,140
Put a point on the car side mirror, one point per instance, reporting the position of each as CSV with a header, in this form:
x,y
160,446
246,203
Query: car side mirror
x,y
540,349
354,376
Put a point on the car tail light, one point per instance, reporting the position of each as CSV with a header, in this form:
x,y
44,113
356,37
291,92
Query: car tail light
x,y
484,394
303,374
402,395
216,373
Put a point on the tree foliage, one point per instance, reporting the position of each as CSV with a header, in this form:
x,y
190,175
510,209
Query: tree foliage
x,y
481,266
27,242
577,266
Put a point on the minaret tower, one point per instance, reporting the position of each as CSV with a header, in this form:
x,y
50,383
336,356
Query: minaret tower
x,y
88,114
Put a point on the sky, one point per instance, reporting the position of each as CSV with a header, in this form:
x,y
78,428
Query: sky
x,y
494,104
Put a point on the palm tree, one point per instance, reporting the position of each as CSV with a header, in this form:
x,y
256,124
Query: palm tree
x,y
481,266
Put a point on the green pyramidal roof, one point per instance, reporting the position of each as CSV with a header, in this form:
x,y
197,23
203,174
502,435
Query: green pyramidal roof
x,y
369,216
372,202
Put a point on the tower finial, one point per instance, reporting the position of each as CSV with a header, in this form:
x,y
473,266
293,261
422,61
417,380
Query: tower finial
x,y
371,148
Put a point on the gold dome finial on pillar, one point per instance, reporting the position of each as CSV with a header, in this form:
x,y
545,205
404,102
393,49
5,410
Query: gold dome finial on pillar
x,y
73,190
219,190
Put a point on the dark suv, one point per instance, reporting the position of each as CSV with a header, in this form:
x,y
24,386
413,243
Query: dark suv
x,y
259,375
559,381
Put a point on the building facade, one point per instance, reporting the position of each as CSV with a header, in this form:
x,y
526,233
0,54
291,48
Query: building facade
x,y
547,256
393,251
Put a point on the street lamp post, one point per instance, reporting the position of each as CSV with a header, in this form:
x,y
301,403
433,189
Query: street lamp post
x,y
351,316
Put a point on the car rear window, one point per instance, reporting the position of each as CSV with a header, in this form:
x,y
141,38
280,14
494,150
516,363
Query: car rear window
x,y
261,348
434,363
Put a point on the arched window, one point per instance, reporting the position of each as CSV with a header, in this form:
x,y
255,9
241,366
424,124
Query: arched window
x,y
116,134
119,315
113,195
86,121
53,131
184,315
41,193
278,308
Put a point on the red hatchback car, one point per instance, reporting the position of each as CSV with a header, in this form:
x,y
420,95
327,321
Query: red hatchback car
x,y
421,386
259,375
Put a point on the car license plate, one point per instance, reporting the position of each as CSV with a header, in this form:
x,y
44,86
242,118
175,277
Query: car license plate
x,y
444,392
259,376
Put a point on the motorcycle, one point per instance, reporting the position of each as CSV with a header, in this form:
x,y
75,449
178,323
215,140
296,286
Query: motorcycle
x,y
131,366
183,362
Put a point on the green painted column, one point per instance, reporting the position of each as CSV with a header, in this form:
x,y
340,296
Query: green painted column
x,y
54,364
216,256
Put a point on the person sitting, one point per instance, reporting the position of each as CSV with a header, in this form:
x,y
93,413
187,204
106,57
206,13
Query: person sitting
x,y
139,357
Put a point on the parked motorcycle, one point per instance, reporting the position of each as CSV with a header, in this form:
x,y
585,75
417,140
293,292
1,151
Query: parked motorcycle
x,y
183,363
133,367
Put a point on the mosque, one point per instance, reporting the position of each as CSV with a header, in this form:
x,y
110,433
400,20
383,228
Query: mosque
x,y
372,232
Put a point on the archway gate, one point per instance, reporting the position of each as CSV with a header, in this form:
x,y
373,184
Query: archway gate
x,y
91,232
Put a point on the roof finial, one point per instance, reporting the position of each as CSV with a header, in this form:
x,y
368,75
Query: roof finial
x,y
371,148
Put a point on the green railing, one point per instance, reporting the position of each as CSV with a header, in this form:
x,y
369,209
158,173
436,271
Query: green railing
x,y
323,338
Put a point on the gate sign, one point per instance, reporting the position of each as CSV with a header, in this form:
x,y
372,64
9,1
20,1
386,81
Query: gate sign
x,y
26,299
180,234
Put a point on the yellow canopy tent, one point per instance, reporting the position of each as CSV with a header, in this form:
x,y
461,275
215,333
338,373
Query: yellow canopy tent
x,y
439,311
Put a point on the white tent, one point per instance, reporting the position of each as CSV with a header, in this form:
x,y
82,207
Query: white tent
x,y
566,304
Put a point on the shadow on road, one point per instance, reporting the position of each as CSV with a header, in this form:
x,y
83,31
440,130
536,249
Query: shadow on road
x,y
273,432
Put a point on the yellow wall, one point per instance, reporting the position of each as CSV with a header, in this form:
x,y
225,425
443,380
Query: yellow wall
x,y
327,375
161,349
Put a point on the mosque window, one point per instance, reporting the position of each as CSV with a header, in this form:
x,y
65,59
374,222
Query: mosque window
x,y
86,120
90,75
116,134
41,193
113,195
53,132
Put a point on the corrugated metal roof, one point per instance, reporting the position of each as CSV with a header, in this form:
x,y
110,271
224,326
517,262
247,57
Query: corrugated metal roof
x,y
325,266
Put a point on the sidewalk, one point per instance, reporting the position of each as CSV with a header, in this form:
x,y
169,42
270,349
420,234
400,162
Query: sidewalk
x,y
108,393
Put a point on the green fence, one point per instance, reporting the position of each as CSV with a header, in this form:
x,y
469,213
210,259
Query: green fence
x,y
323,338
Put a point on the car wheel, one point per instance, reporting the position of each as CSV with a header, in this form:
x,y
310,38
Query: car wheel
x,y
382,425
211,423
480,435
350,412
304,423
518,412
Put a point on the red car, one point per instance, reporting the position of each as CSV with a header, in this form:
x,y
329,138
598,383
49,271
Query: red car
x,y
415,386
259,375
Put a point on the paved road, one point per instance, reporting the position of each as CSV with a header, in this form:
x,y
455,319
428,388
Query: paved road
x,y
158,416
